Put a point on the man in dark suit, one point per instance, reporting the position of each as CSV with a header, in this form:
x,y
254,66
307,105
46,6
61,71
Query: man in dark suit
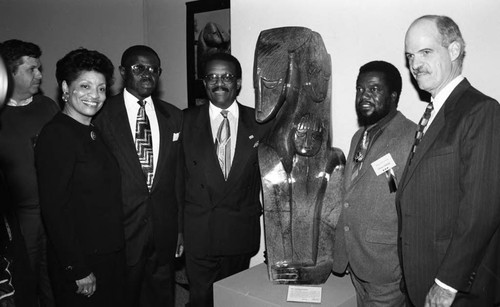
x,y
148,185
366,235
449,196
221,204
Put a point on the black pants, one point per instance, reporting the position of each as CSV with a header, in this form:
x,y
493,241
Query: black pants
x,y
109,271
203,271
149,283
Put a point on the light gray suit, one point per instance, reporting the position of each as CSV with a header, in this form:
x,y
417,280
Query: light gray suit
x,y
366,236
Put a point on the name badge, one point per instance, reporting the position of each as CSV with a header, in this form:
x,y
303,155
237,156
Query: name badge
x,y
383,164
175,136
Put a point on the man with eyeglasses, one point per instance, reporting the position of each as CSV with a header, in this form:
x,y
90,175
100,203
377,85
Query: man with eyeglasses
x,y
143,134
222,180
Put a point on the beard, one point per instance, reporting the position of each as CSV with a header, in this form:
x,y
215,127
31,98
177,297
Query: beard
x,y
374,117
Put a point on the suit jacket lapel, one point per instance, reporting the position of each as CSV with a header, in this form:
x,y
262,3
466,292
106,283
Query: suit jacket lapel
x,y
433,131
204,142
122,132
166,138
244,144
378,149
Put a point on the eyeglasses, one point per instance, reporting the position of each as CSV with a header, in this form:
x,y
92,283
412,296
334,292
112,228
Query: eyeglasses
x,y
139,69
212,79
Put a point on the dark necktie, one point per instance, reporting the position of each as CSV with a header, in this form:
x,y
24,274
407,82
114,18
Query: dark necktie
x,y
420,131
144,143
223,145
360,154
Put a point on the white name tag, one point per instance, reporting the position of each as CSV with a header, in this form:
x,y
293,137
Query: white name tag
x,y
175,136
383,164
304,294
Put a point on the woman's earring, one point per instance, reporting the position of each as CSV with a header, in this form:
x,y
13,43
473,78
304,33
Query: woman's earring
x,y
65,96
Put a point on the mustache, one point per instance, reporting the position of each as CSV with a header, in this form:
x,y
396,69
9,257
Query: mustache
x,y
143,79
420,71
220,88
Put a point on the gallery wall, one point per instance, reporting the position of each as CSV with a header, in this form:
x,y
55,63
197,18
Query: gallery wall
x,y
358,31
354,32
109,26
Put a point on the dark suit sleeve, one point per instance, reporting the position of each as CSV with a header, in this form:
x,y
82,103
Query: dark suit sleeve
x,y
179,181
478,216
55,156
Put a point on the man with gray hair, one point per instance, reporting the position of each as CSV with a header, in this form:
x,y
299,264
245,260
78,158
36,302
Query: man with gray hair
x,y
449,197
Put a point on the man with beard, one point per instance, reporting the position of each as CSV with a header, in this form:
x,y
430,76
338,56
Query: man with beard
x,y
366,236
222,180
143,134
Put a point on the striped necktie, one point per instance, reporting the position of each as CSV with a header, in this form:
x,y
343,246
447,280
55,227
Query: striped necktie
x,y
420,131
361,151
223,145
144,143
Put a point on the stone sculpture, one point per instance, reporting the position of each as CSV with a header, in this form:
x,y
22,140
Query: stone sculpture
x,y
301,173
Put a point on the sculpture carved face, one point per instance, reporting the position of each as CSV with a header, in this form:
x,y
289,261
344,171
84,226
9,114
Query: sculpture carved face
x,y
308,136
276,75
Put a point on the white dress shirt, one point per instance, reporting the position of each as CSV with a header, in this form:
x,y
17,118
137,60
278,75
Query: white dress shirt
x,y
216,119
132,106
439,100
437,103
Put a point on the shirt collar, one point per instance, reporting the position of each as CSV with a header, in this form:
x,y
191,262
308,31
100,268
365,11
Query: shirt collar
x,y
129,98
20,103
441,97
214,111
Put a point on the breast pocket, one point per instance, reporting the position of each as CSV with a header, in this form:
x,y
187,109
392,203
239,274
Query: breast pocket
x,y
440,151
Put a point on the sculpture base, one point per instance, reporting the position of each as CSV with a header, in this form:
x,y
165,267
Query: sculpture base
x,y
252,288
299,274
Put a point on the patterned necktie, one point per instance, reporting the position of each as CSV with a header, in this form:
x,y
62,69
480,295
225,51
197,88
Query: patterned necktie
x,y
144,143
420,131
360,154
223,145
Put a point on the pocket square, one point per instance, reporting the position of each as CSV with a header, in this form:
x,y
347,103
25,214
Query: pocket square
x,y
175,136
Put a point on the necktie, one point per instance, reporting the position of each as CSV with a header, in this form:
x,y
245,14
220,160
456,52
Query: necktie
x,y
144,143
360,154
223,145
420,131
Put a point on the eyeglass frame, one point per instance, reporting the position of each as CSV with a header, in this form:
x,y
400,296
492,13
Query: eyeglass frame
x,y
149,68
212,81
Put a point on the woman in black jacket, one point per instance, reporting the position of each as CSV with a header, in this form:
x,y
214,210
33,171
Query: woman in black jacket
x,y
79,187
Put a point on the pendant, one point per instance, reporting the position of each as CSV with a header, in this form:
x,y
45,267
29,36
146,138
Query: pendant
x,y
92,135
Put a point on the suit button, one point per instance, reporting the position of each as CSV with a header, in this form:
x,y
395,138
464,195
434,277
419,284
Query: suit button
x,y
346,228
202,186
346,205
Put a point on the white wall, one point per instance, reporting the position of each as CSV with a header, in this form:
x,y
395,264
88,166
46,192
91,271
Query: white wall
x,y
354,32
358,31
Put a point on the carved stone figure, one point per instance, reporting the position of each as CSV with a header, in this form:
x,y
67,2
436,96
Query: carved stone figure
x,y
212,39
301,172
